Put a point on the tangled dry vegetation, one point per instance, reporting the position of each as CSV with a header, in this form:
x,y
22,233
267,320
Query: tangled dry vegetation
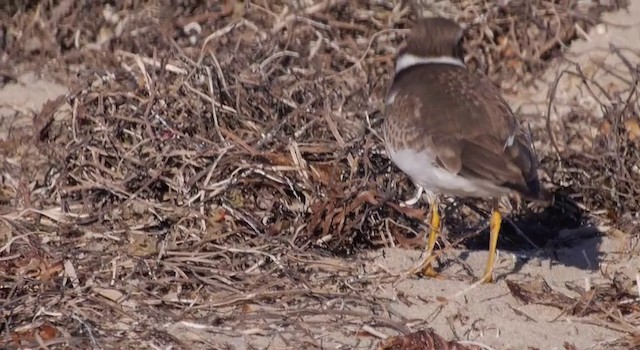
x,y
219,162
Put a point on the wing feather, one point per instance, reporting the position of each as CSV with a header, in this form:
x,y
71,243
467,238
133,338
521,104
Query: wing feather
x,y
465,122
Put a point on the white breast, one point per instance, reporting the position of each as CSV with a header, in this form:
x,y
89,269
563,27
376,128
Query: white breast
x,y
423,171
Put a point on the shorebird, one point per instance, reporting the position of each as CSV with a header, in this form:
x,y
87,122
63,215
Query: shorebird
x,y
452,133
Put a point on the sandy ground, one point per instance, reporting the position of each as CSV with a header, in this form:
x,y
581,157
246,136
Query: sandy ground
x,y
487,314
490,315
27,94
593,55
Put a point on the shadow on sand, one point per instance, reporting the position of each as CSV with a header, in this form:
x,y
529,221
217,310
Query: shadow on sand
x,y
561,232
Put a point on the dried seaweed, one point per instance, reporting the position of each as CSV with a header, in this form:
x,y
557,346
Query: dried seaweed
x,y
614,303
214,157
424,340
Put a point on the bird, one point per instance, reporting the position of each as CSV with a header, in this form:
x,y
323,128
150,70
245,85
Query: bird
x,y
452,133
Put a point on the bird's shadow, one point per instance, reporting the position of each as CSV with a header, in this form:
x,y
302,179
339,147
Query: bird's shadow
x,y
561,232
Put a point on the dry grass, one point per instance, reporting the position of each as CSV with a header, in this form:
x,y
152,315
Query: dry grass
x,y
216,165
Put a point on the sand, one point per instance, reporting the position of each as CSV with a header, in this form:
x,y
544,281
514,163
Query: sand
x,y
486,314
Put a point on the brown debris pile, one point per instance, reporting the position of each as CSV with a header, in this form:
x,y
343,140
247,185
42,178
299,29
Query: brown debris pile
x,y
603,173
423,340
511,41
612,304
211,157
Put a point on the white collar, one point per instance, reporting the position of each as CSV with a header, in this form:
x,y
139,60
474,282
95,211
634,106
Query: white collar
x,y
409,60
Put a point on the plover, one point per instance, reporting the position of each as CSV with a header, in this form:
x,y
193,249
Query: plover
x,y
451,131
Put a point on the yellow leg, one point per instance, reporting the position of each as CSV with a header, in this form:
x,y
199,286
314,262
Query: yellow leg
x,y
433,237
494,227
434,230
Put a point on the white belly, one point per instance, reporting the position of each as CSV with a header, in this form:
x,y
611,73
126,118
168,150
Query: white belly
x,y
423,171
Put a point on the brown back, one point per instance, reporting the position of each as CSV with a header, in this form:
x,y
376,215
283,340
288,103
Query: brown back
x,y
465,122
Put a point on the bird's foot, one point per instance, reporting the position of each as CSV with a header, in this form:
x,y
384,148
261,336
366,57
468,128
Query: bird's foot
x,y
425,268
487,278
429,271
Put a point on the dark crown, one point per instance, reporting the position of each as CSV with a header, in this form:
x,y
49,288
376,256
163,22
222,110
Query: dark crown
x,y
435,37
